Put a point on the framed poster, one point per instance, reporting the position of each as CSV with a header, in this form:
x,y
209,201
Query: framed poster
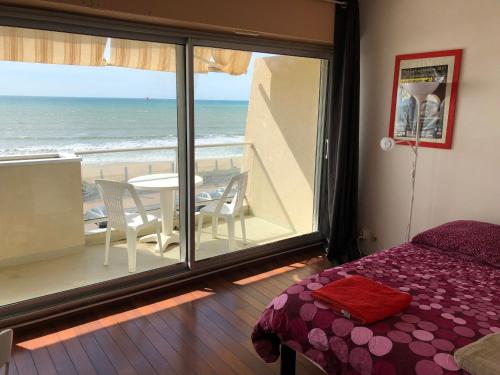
x,y
437,109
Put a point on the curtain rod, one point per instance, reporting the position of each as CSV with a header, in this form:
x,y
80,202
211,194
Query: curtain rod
x,y
343,4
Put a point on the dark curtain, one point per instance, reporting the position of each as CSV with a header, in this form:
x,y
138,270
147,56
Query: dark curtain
x,y
339,221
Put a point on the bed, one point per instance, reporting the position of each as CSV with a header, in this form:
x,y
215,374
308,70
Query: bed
x,y
452,274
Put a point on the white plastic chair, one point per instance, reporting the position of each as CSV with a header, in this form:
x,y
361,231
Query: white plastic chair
x,y
5,349
228,211
113,193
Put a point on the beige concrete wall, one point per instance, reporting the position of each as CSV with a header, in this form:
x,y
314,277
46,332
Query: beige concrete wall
x,y
461,183
282,125
41,211
302,20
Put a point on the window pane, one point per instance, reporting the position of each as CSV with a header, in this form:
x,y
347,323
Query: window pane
x,y
256,121
105,109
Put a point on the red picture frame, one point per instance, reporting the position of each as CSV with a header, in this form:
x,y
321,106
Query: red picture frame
x,y
440,133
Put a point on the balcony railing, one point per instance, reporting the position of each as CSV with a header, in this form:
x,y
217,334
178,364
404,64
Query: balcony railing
x,y
158,148
216,172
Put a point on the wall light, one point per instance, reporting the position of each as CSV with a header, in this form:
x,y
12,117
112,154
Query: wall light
x,y
420,91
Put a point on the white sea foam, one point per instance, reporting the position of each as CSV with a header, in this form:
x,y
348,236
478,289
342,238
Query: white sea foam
x,y
39,125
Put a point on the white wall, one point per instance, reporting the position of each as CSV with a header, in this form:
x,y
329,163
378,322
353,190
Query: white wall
x,y
41,210
282,127
461,183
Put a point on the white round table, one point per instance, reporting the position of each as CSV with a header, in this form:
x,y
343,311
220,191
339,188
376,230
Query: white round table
x,y
166,184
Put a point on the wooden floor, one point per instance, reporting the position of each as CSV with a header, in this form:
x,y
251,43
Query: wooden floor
x,y
202,328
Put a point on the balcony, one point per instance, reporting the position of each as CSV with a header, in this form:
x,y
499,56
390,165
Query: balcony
x,y
80,262
53,219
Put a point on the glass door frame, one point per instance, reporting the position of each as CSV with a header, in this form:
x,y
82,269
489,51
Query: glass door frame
x,y
275,247
73,299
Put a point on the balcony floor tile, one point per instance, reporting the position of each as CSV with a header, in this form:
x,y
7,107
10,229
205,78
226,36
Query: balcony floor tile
x,y
36,279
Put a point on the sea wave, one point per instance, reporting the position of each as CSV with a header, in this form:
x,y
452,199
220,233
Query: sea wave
x,y
133,142
31,125
135,156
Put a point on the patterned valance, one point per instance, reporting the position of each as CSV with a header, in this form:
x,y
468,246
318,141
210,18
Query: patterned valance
x,y
50,47
161,57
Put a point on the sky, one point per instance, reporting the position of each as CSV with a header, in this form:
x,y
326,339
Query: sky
x,y
27,79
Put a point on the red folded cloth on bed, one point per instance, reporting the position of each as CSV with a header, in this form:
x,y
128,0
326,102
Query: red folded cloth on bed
x,y
362,299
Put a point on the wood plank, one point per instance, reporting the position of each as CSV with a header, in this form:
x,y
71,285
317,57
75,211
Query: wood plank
x,y
230,337
80,360
191,320
180,344
39,354
58,354
43,362
202,328
143,345
178,363
13,368
126,346
96,355
24,362
212,356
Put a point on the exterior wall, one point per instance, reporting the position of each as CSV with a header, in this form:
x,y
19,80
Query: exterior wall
x,y
461,183
282,125
302,20
41,213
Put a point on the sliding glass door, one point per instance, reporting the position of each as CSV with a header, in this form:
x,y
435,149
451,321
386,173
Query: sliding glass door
x,y
129,163
256,129
88,161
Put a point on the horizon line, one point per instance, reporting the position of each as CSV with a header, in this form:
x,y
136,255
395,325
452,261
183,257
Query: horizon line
x,y
113,97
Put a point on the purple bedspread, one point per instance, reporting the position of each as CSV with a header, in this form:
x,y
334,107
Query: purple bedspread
x,y
455,302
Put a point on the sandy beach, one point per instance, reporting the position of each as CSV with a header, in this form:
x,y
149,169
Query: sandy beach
x,y
127,170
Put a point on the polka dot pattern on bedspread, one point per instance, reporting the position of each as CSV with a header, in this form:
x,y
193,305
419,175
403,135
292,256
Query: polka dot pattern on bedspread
x,y
454,302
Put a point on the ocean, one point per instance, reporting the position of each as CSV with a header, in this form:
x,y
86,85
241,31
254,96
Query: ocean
x,y
48,124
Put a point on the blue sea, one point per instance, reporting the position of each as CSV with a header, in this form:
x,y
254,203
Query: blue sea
x,y
53,124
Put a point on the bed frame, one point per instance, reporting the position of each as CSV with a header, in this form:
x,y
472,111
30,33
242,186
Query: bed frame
x,y
288,360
